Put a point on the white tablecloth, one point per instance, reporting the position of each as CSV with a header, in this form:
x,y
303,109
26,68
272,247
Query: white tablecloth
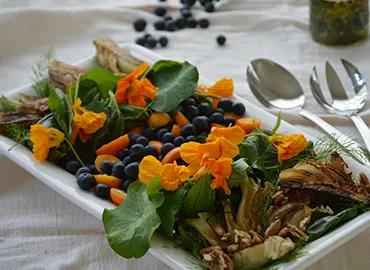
x,y
39,229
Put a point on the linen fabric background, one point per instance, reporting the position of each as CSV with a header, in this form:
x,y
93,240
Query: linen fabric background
x,y
39,229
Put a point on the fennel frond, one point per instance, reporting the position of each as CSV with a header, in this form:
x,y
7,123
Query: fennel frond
x,y
40,72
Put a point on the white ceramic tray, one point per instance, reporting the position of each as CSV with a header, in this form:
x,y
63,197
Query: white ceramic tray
x,y
65,184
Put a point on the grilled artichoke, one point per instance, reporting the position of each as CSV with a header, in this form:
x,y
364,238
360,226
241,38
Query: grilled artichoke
x,y
333,177
61,74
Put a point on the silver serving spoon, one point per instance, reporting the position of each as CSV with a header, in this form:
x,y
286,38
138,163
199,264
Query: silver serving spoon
x,y
275,87
341,104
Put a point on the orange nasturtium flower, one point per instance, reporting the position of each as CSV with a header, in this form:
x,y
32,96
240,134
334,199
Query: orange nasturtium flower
x,y
171,175
234,134
133,90
288,146
85,123
222,88
43,139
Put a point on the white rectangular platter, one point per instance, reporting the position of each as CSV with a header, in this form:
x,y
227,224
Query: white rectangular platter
x,y
65,183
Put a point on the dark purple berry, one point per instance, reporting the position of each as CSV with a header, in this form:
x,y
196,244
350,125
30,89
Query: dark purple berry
x,y
203,23
163,41
160,11
221,40
139,25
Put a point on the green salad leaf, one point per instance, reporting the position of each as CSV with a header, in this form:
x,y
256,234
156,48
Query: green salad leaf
x,y
323,225
134,113
173,201
7,105
130,226
105,80
176,82
240,171
60,106
200,198
88,91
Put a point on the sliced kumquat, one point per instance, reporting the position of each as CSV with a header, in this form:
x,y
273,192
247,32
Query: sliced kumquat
x,y
117,195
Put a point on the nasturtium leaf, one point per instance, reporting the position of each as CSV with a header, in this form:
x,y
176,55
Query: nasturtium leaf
x,y
239,173
176,82
130,226
60,106
133,113
153,187
200,198
104,79
173,201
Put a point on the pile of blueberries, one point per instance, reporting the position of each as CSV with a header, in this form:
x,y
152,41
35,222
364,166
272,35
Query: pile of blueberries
x,y
200,115
167,23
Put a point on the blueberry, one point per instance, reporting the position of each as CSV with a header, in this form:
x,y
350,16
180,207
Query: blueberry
x,y
170,26
219,110
205,109
142,140
209,7
191,112
216,118
178,141
126,161
203,23
73,166
86,181
160,158
191,138
137,152
225,104
133,137
186,13
93,169
139,25
238,108
229,121
191,22
167,18
106,167
159,25
168,137
150,150
161,132
150,134
162,0
200,123
152,42
221,40
160,11
180,23
119,170
146,36
163,41
190,2
83,170
141,41
132,170
191,102
167,147
102,191
203,2
127,183
188,130
123,153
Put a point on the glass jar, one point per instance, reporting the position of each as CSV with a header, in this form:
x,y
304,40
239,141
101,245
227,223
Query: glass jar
x,y
339,22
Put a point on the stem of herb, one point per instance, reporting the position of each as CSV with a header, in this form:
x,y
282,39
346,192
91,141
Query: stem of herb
x,y
77,88
278,122
74,152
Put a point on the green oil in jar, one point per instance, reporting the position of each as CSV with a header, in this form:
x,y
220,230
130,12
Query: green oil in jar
x,y
339,22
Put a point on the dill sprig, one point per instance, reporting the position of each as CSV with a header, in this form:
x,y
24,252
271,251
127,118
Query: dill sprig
x,y
325,145
192,242
40,72
18,133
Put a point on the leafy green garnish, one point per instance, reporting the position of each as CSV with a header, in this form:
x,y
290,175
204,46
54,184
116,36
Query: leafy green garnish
x,y
18,133
240,171
192,241
60,106
130,226
7,105
40,73
105,80
325,224
134,113
200,198
172,204
176,82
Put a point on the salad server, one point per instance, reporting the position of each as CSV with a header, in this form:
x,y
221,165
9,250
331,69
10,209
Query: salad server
x,y
267,79
341,104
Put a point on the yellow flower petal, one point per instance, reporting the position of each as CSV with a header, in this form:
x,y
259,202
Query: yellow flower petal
x,y
190,153
222,88
220,169
288,146
149,168
172,176
43,139
234,134
228,149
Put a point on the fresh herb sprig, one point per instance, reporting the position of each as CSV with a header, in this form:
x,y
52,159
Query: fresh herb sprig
x,y
7,105
40,72
18,133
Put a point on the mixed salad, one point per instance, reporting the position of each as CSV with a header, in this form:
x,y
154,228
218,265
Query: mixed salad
x,y
183,159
